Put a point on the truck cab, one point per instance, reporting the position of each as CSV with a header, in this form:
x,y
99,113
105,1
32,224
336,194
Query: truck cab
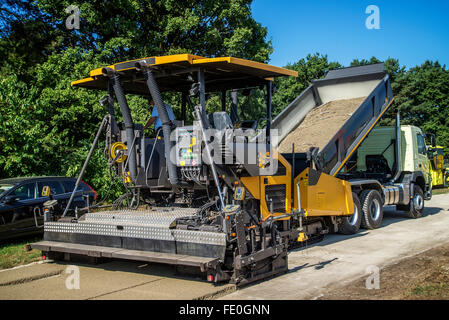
x,y
392,163
380,145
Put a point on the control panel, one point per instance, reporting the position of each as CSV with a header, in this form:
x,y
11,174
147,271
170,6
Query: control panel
x,y
188,146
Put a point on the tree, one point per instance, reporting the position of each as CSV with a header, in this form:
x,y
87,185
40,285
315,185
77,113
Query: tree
x,y
148,27
288,88
27,37
362,62
423,100
46,127
421,96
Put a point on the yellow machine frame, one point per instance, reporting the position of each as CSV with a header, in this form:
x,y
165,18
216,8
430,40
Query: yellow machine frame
x,y
174,63
322,196
437,169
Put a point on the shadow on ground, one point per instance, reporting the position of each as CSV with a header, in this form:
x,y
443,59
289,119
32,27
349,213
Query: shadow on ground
x,y
19,240
391,216
144,268
316,266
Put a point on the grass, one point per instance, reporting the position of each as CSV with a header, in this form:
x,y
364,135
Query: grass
x,y
440,191
435,285
15,254
429,290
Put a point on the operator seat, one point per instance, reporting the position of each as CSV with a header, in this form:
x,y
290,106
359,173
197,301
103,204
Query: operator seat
x,y
220,121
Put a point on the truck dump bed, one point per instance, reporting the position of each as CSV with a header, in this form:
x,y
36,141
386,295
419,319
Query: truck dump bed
x,y
335,114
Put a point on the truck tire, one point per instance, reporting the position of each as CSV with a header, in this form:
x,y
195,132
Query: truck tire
x,y
372,208
351,224
415,208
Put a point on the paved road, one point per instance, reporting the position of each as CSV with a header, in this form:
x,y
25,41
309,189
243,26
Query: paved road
x,y
113,280
337,259
340,259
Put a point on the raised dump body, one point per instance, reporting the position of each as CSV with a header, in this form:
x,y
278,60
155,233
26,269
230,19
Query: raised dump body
x,y
335,114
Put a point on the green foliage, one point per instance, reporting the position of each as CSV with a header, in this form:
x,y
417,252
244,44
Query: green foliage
x,y
139,28
421,96
26,37
423,100
46,127
288,88
362,62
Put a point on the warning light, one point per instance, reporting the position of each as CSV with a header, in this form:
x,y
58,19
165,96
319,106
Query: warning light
x,y
44,257
210,278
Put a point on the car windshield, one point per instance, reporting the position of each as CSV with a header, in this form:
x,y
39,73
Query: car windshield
x,y
5,187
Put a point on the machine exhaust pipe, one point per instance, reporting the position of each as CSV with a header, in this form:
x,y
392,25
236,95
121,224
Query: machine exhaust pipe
x,y
398,147
167,124
126,113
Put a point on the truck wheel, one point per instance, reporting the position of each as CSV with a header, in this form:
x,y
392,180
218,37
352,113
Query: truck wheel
x,y
372,207
351,224
415,208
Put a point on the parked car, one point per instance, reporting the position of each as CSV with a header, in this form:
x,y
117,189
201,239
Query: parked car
x,y
21,202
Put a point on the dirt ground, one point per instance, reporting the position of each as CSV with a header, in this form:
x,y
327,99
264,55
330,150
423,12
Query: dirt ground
x,y
320,125
335,268
424,276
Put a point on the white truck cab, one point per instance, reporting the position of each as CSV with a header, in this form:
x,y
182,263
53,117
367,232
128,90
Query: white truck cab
x,y
403,170
413,150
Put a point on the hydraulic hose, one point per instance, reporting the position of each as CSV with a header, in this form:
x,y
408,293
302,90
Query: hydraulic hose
x,y
234,106
114,77
165,119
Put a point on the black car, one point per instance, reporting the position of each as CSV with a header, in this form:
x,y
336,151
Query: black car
x,y
21,202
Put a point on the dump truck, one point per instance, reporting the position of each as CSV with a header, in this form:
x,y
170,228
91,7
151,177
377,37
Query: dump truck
x,y
377,156
349,154
221,195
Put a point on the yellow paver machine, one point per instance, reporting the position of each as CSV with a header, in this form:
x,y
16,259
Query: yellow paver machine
x,y
219,196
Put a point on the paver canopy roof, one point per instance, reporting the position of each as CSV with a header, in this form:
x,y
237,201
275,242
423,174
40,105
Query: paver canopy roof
x,y
178,72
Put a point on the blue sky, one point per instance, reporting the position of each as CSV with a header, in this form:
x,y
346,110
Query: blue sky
x,y
411,31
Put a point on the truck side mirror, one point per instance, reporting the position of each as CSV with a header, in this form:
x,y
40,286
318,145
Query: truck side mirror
x,y
433,140
46,191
